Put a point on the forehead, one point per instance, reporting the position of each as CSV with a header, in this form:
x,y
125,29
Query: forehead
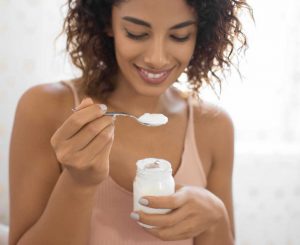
x,y
156,12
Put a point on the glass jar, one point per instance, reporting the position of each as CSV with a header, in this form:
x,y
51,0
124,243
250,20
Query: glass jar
x,y
153,178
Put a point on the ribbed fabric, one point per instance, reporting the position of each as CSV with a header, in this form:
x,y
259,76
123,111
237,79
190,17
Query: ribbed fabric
x,y
111,224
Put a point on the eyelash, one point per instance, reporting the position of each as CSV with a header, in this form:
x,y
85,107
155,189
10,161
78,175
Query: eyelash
x,y
140,37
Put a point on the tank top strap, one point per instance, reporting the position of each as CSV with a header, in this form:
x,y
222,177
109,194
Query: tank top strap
x,y
73,89
190,134
191,161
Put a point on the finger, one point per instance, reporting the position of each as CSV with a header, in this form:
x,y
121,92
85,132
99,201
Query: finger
x,y
89,157
174,201
103,156
84,103
99,142
162,220
86,135
180,231
77,120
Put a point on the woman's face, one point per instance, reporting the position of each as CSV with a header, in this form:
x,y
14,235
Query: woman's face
x,y
154,42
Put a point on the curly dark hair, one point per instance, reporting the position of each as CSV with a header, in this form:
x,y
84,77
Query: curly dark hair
x,y
92,50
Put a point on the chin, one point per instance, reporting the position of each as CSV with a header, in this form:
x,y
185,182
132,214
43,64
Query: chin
x,y
150,91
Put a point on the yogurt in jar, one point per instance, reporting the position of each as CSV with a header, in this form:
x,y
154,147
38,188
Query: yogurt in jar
x,y
153,178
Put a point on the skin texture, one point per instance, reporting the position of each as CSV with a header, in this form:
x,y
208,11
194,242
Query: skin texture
x,y
59,157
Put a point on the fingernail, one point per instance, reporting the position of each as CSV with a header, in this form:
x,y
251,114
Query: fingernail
x,y
144,201
135,216
103,107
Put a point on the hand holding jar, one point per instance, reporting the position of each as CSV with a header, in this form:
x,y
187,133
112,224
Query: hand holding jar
x,y
194,210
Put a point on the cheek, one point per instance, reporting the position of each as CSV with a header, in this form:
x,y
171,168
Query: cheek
x,y
184,54
125,49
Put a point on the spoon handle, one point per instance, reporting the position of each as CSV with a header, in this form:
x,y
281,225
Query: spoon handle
x,y
116,114
128,115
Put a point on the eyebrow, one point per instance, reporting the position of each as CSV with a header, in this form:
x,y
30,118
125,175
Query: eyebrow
x,y
146,24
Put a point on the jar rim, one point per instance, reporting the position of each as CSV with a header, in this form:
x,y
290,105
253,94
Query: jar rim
x,y
162,166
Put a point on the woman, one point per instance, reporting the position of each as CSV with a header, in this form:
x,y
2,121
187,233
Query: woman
x,y
71,172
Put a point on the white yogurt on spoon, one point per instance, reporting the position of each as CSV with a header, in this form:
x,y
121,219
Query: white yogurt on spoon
x,y
153,119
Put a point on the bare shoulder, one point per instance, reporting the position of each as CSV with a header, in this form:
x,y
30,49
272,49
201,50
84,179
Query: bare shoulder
x,y
49,102
212,116
214,132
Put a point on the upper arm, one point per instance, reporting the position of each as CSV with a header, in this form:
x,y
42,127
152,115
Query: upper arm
x,y
219,179
219,138
33,167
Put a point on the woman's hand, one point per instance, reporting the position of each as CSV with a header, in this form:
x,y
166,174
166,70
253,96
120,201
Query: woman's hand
x,y
194,210
83,143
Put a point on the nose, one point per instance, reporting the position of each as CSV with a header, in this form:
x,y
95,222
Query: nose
x,y
156,56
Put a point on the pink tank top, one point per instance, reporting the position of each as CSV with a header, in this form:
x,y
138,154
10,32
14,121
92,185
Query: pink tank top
x,y
111,223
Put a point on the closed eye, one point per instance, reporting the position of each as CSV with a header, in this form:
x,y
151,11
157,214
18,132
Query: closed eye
x,y
180,39
144,35
135,36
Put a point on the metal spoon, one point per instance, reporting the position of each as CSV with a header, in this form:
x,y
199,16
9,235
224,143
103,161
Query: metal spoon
x,y
134,117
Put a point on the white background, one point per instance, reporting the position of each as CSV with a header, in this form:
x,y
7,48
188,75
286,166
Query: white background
x,y
264,105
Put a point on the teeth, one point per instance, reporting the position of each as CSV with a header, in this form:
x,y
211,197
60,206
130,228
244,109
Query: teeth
x,y
152,75
155,76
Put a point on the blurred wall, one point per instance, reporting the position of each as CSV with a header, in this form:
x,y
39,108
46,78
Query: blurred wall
x,y
264,105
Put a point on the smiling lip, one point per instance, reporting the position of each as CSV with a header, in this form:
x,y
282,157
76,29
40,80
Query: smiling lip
x,y
153,77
